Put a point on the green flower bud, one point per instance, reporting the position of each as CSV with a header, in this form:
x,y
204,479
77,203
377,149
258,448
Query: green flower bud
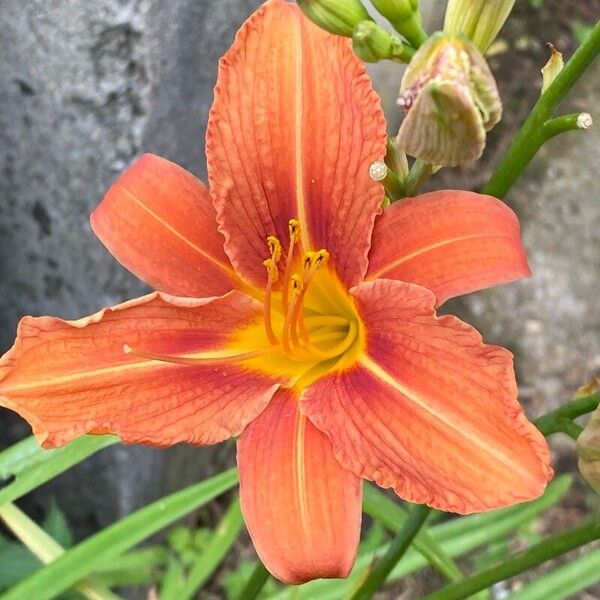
x,y
396,11
451,100
336,16
372,43
405,17
478,20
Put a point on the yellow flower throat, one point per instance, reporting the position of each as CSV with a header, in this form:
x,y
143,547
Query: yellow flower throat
x,y
309,324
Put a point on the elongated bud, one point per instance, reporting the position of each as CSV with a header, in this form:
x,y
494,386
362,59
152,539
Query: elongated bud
x,y
451,100
478,20
405,17
552,68
336,16
588,443
372,43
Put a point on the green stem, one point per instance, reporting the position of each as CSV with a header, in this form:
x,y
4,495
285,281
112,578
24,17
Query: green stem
x,y
571,429
46,548
417,176
570,122
255,584
393,517
412,29
532,134
521,562
554,421
377,576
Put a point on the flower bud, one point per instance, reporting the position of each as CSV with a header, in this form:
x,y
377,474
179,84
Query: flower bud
x,y
372,43
336,16
588,443
451,100
405,17
478,20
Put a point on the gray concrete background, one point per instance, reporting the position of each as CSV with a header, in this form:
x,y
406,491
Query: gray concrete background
x,y
85,87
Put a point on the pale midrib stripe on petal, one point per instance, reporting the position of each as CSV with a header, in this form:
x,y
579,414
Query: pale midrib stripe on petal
x,y
298,137
407,257
472,436
182,237
122,368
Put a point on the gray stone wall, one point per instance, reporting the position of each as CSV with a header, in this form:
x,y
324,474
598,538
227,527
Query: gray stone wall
x,y
84,88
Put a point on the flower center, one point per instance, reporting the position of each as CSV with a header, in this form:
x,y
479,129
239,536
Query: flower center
x,y
309,326
306,311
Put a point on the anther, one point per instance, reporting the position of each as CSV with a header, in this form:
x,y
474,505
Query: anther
x,y
272,270
274,248
314,260
296,285
294,225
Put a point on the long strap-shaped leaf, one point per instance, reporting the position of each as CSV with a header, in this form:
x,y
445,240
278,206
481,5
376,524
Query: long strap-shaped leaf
x,y
83,559
26,466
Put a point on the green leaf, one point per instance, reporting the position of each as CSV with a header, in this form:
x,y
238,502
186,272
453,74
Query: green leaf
x,y
84,558
27,466
234,582
173,580
224,536
581,31
56,525
16,563
564,582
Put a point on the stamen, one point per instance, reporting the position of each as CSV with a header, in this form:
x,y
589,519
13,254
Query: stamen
x,y
197,360
272,276
295,287
294,228
313,261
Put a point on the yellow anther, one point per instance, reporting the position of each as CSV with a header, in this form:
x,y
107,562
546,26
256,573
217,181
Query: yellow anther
x,y
294,230
296,284
272,270
314,260
274,247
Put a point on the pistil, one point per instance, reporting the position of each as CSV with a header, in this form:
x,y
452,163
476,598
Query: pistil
x,y
196,360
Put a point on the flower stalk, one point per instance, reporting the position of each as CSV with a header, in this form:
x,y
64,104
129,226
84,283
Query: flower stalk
x,y
557,420
396,550
534,131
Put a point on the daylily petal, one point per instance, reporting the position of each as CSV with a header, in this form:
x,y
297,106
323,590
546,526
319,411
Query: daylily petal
x,y
302,509
293,130
73,377
158,221
429,410
451,242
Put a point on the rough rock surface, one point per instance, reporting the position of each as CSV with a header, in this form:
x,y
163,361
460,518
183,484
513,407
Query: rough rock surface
x,y
84,88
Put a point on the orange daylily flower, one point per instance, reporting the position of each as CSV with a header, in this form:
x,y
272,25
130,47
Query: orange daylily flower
x,y
293,313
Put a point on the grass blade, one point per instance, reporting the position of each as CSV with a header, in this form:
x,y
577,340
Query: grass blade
x,y
83,559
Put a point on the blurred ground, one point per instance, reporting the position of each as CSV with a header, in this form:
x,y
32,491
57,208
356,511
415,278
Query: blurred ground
x,y
87,87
